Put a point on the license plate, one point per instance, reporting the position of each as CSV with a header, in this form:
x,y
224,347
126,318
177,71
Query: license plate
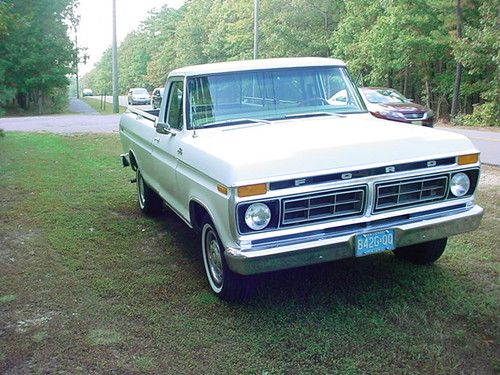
x,y
375,242
417,122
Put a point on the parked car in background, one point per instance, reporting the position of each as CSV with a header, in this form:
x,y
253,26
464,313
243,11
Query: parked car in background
x,y
87,92
138,96
389,104
156,97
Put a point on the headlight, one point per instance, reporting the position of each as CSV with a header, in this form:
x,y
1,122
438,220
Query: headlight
x,y
257,216
460,184
391,115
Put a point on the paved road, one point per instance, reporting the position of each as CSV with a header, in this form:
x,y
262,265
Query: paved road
x,y
122,100
79,106
487,142
80,123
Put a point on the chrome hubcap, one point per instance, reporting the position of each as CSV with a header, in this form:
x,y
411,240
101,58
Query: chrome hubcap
x,y
140,187
214,259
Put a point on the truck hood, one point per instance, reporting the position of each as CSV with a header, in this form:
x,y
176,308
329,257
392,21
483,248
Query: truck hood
x,y
296,148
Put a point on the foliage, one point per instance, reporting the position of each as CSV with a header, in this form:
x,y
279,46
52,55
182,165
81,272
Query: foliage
x,y
36,52
411,46
6,24
479,51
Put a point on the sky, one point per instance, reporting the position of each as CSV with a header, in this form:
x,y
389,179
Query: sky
x,y
96,29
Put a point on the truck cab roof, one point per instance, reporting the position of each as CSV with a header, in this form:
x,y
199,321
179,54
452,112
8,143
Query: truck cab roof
x,y
249,65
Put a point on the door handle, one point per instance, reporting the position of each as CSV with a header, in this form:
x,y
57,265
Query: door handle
x,y
156,139
179,151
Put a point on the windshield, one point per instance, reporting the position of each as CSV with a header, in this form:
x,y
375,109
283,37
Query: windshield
x,y
227,98
380,96
140,92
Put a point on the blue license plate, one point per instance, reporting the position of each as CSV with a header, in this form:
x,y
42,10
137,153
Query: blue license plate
x,y
375,242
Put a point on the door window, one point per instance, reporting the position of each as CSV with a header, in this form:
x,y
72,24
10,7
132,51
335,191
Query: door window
x,y
174,114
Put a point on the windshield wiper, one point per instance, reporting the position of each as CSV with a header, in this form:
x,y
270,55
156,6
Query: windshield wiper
x,y
235,121
311,114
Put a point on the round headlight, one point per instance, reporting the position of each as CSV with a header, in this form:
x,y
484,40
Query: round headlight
x,y
460,184
257,216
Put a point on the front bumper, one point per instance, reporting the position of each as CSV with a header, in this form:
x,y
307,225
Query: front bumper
x,y
307,250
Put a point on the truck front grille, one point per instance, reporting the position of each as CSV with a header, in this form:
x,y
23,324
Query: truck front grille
x,y
323,206
410,192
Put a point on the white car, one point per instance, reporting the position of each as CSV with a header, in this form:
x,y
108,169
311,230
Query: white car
x,y
138,96
272,175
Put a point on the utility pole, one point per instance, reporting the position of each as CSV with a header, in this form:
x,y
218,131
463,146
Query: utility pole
x,y
114,58
76,64
256,30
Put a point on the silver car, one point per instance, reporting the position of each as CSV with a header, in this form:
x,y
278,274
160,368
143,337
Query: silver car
x,y
138,96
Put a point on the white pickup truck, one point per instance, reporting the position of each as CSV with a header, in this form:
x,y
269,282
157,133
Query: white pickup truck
x,y
262,160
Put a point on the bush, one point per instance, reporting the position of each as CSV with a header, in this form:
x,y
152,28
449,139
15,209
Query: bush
x,y
57,101
487,114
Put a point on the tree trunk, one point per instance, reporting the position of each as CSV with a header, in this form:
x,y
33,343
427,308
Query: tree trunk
x,y
40,102
428,93
22,100
458,70
405,82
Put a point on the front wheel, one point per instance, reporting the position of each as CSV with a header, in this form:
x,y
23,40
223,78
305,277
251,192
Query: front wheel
x,y
149,201
423,253
226,284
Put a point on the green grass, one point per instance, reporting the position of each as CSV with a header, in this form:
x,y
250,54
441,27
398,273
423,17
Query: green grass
x,y
7,298
96,105
99,288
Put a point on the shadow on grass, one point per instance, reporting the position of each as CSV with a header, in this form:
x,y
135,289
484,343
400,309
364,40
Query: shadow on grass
x,y
373,280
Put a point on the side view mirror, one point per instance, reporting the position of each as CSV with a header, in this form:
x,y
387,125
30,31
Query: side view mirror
x,y
164,128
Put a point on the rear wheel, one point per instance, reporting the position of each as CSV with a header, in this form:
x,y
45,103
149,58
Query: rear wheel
x,y
423,253
149,201
226,284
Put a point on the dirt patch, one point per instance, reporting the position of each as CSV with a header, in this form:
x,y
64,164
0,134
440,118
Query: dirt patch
x,y
490,176
12,241
37,320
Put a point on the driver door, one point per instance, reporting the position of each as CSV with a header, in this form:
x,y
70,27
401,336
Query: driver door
x,y
166,149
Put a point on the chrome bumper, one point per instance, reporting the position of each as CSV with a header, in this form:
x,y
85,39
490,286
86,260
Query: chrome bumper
x,y
306,251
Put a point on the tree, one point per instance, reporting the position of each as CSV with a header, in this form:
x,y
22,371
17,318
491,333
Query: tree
x,y
458,71
7,21
37,53
479,51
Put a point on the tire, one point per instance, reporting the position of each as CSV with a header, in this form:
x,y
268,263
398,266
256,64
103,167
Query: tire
x,y
423,253
226,284
150,202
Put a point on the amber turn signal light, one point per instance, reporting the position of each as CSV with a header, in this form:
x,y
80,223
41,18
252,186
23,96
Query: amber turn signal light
x,y
249,190
467,159
222,189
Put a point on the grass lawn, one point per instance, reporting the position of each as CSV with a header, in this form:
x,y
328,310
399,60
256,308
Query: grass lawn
x,y
89,285
95,103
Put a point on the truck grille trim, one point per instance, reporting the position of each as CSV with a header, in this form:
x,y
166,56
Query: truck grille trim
x,y
362,173
323,206
410,192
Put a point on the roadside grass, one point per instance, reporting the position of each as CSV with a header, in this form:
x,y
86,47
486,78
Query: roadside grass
x,y
95,103
89,285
